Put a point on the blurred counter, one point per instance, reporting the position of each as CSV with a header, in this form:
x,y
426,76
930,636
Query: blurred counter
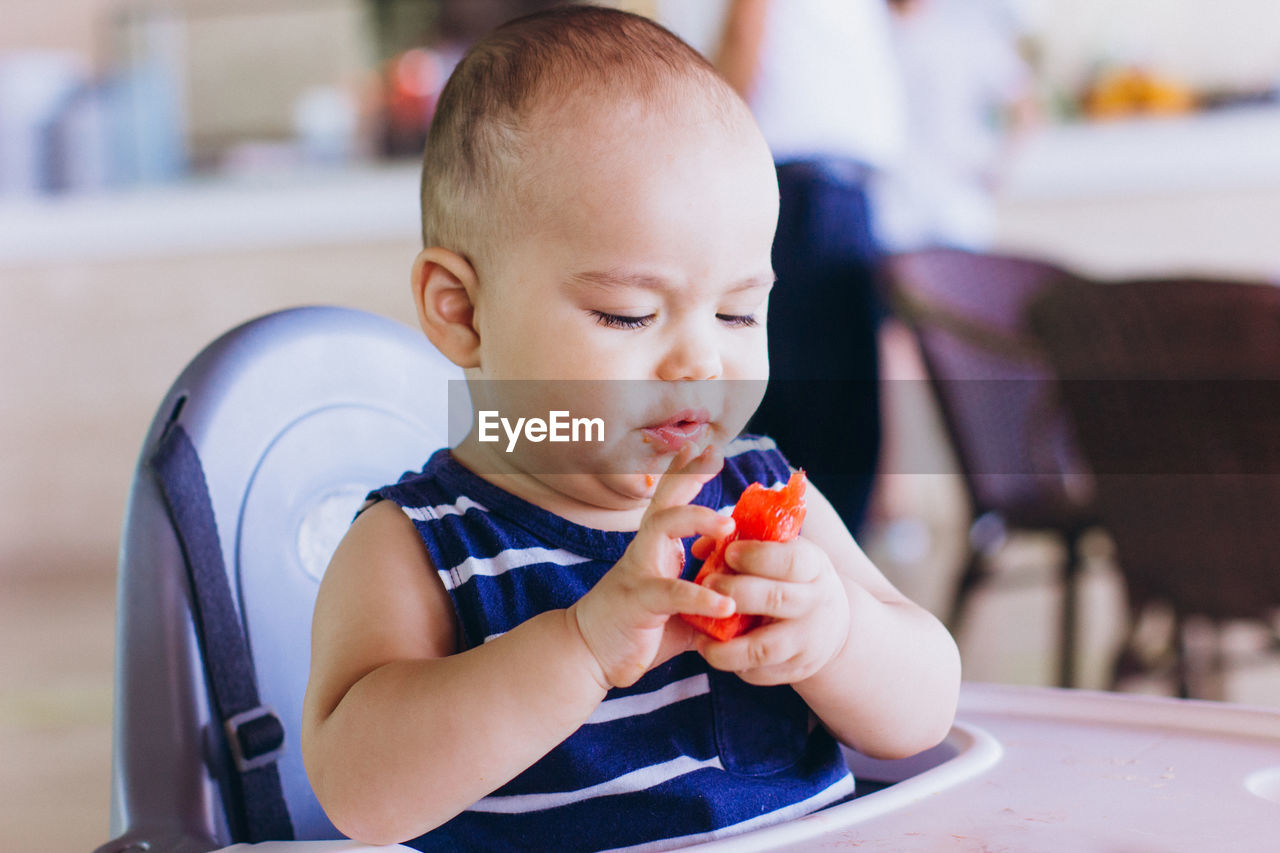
x,y
103,299
1143,196
1150,196
375,203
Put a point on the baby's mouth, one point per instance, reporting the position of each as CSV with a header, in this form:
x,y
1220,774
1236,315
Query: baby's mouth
x,y
689,426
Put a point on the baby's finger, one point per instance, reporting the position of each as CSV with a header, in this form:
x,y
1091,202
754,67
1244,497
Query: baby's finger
x,y
793,562
764,596
685,477
671,596
702,548
681,522
771,644
787,672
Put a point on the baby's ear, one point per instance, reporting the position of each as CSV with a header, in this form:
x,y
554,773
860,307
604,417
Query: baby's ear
x,y
443,284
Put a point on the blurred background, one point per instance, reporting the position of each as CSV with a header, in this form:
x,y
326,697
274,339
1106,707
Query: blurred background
x,y
171,168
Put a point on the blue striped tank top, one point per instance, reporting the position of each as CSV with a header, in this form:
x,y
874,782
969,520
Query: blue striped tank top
x,y
686,754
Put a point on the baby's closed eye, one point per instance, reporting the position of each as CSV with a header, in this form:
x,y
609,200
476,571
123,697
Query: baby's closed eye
x,y
622,321
738,320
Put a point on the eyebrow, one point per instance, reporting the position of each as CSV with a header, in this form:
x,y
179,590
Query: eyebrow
x,y
615,278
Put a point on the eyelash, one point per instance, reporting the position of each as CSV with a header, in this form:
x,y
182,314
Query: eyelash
x,y
619,321
738,321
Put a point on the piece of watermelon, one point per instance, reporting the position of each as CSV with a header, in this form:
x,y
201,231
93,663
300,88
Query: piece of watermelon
x,y
769,515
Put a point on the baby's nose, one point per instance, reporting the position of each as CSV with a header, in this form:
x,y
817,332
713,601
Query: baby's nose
x,y
691,357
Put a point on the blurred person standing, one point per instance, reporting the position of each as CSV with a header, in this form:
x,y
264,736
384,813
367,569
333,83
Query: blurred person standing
x,y
968,89
822,80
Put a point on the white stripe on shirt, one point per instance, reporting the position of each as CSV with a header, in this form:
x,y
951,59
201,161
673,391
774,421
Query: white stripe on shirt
x,y
739,446
627,783
435,513
643,703
843,787
504,561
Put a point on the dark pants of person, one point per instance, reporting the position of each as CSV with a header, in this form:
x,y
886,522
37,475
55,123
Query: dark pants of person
x,y
822,405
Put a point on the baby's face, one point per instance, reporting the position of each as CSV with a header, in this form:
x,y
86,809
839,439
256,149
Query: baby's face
x,y
646,253
646,257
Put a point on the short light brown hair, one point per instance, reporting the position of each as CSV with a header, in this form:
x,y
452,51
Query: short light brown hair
x,y
471,168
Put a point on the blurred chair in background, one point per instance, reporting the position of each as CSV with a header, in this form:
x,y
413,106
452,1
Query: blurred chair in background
x,y
995,395
1174,391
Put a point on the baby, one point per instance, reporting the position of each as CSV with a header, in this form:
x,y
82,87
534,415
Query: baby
x,y
496,657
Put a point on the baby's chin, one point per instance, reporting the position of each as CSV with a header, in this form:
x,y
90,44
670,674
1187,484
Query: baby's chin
x,y
609,490
620,476
642,480
604,501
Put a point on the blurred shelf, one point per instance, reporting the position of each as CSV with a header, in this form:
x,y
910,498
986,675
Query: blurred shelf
x,y
1191,161
1185,195
365,204
1224,149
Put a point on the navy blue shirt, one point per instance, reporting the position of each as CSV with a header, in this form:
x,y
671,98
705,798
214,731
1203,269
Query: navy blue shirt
x,y
687,753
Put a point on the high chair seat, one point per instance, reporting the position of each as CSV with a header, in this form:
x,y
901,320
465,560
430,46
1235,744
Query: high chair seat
x,y
293,418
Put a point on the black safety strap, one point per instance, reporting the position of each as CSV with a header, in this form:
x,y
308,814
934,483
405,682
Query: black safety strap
x,y
254,733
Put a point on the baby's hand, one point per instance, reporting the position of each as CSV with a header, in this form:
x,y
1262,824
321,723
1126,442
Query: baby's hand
x,y
795,586
624,618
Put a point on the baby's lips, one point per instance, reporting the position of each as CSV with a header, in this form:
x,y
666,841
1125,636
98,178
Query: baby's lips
x,y
678,431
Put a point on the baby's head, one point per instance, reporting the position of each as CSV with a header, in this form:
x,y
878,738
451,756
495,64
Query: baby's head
x,y
597,204
530,78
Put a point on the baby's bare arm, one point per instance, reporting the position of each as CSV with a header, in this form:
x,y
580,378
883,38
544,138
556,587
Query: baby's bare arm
x,y
399,733
892,690
881,672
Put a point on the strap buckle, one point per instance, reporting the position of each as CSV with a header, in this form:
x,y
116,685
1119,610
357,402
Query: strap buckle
x,y
256,737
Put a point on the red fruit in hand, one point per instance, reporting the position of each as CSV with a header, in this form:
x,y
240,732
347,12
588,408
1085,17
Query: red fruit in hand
x,y
768,515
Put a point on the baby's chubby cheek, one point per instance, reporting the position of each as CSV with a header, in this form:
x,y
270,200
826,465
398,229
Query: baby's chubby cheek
x,y
625,432
561,426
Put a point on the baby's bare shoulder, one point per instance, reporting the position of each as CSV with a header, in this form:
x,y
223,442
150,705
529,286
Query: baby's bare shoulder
x,y
381,601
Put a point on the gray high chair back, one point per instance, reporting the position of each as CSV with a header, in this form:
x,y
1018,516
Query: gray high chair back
x,y
255,464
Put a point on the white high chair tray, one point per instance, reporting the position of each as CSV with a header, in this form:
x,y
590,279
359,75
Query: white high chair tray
x,y
1083,771
1039,769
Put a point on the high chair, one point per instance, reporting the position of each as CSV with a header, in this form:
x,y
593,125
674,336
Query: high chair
x,y
254,466
256,462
